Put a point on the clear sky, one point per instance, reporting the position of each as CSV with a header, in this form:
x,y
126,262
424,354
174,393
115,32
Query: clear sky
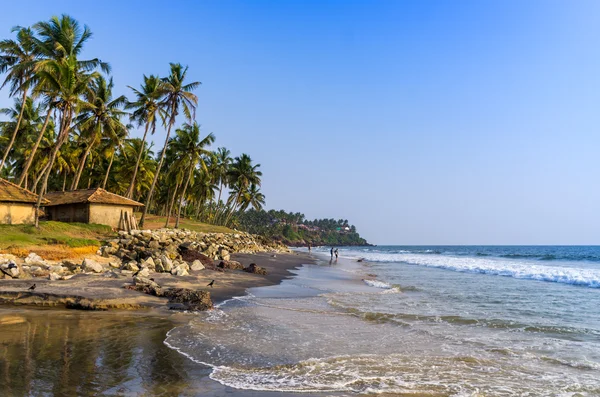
x,y
422,122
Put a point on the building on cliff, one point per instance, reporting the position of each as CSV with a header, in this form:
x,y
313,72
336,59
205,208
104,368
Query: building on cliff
x,y
17,205
92,206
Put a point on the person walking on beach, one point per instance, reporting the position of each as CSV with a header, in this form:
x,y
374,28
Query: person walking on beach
x,y
331,252
309,247
336,254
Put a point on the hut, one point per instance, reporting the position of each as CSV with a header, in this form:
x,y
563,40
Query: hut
x,y
17,205
92,206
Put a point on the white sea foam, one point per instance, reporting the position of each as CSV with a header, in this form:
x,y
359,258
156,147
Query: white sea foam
x,y
377,284
523,269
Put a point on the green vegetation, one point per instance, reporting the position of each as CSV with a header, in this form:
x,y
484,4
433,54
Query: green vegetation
x,y
156,222
67,130
53,233
293,229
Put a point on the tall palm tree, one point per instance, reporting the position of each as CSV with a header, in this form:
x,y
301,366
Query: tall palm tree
x,y
147,110
18,57
100,117
112,144
241,175
222,163
125,166
253,197
177,95
192,151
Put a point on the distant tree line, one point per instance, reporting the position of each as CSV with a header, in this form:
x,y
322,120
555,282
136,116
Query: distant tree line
x,y
293,229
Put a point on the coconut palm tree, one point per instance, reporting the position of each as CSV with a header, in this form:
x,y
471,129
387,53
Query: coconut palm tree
x,y
126,163
29,118
241,175
177,95
63,77
192,151
18,58
221,166
253,197
100,117
147,111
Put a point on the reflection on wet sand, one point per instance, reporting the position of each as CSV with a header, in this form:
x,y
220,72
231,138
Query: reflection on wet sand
x,y
49,352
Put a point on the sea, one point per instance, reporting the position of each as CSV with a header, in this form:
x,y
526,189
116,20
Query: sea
x,y
411,321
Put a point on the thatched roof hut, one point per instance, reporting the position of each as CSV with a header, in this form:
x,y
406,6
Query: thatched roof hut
x,y
91,206
17,205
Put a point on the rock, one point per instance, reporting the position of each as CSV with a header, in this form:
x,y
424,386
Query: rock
x,y
67,277
224,254
167,263
34,259
114,265
131,266
57,269
89,265
145,272
197,265
232,265
180,271
53,277
149,263
190,299
146,286
253,268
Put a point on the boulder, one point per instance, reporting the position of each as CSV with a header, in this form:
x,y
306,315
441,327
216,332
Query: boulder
x,y
53,277
91,266
253,268
131,266
189,299
224,254
34,259
145,272
149,263
232,265
197,265
180,271
166,262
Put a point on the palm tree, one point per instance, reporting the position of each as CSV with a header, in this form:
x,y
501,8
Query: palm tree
x,y
18,57
147,109
176,95
112,144
30,116
241,175
125,166
63,77
100,117
222,163
192,152
253,197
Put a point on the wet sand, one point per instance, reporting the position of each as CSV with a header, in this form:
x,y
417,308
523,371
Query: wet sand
x,y
52,351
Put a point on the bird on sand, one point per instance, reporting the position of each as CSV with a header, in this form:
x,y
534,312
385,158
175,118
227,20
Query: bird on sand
x,y
32,287
211,284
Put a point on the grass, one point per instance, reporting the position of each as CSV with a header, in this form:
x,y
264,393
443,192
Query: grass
x,y
59,240
156,222
53,240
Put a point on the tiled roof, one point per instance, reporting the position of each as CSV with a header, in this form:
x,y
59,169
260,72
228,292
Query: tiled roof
x,y
97,195
9,192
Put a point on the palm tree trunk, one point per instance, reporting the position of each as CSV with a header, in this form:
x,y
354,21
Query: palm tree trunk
x,y
170,209
237,197
59,141
14,135
108,170
137,163
187,182
80,168
34,149
65,181
39,177
162,158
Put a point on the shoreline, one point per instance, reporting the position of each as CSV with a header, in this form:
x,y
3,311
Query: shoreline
x,y
99,292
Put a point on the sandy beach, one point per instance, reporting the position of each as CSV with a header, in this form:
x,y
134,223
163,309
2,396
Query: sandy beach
x,y
50,350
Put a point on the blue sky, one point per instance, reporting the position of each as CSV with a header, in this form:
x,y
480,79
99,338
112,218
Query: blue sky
x,y
422,122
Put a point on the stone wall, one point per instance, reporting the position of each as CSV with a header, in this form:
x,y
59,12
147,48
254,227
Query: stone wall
x,y
160,250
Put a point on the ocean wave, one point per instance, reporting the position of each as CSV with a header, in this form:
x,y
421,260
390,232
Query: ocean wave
x,y
377,284
530,270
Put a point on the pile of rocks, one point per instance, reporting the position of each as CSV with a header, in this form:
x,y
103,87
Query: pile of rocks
x,y
169,250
